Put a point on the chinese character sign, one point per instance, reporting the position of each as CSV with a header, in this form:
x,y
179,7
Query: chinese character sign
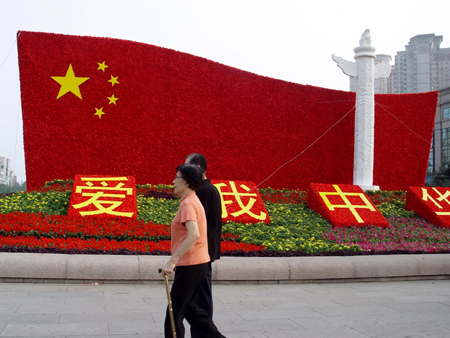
x,y
241,202
344,205
432,203
103,196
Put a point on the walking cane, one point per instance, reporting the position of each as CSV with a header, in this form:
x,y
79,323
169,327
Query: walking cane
x,y
174,332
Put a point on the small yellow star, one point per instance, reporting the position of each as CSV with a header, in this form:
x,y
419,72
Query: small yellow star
x,y
69,83
113,80
102,66
99,112
112,99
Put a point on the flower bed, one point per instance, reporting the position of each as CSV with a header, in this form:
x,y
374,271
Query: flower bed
x,y
37,222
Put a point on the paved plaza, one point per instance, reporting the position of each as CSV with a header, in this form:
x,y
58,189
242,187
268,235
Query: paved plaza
x,y
395,309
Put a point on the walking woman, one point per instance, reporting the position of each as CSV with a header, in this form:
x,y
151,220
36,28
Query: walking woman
x,y
189,256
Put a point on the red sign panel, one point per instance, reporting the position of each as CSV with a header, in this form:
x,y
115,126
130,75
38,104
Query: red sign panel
x,y
433,204
344,205
103,196
241,202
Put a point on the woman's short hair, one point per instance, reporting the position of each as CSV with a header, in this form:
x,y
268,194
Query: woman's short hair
x,y
192,174
198,159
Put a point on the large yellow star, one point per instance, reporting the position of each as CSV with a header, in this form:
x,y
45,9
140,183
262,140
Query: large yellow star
x,y
112,99
69,83
99,112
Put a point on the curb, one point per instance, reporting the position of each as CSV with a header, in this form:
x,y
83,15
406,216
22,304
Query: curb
x,y
61,268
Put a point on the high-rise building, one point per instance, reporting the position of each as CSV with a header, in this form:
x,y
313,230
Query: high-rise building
x,y
440,148
424,66
7,176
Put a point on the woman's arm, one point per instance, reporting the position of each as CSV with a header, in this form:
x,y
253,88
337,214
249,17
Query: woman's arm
x,y
190,240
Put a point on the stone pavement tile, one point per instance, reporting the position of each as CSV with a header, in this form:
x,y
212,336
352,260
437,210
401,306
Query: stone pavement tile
x,y
246,335
8,308
254,298
156,304
272,290
15,287
42,330
344,332
300,303
132,308
144,335
102,301
258,326
401,330
219,306
420,307
4,295
65,294
273,314
226,316
136,317
357,301
27,300
355,310
60,308
445,323
122,328
421,298
26,318
409,317
336,322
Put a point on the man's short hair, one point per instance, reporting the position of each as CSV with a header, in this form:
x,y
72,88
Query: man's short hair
x,y
197,159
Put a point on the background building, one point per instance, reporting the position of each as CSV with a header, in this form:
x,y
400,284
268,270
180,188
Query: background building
x,y
7,176
423,66
440,148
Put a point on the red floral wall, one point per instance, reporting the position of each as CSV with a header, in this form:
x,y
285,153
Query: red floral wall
x,y
171,104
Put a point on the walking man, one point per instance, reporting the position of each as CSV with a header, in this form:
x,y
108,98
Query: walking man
x,y
210,198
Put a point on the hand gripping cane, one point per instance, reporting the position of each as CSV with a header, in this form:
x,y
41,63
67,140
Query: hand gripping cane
x,y
174,332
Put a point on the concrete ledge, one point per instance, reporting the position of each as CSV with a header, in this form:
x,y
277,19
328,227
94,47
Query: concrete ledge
x,y
59,268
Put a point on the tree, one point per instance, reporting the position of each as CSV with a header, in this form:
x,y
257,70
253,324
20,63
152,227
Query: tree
x,y
6,189
442,177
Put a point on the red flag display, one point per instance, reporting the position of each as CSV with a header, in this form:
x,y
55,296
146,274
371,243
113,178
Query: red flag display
x,y
433,204
103,197
344,205
241,202
125,108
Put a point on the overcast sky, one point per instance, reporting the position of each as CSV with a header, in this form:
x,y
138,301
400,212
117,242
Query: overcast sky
x,y
289,40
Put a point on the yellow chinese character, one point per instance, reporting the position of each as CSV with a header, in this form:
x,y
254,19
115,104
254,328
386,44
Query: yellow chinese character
x,y
426,196
245,209
347,204
95,196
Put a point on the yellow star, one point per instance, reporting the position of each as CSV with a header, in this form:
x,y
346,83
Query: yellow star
x,y
102,66
112,99
113,80
99,112
69,83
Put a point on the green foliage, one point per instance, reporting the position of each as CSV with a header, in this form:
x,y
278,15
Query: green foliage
x,y
442,177
6,189
52,202
395,209
157,210
293,227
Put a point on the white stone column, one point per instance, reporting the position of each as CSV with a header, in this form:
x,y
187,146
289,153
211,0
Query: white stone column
x,y
365,71
364,118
